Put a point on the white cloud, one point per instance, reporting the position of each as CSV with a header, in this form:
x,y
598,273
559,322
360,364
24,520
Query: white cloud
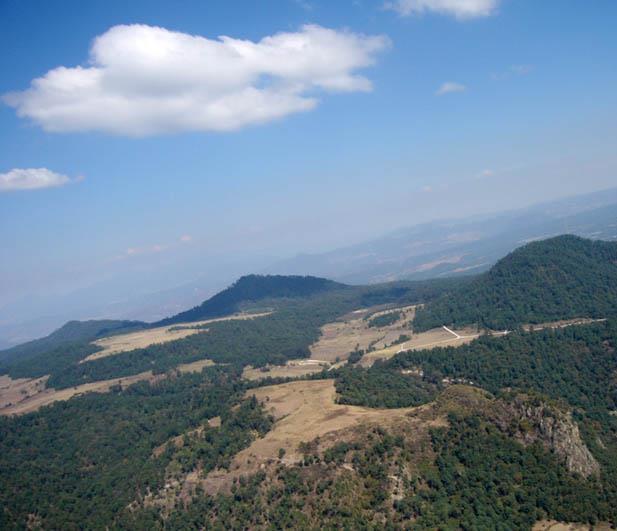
x,y
31,179
449,87
186,238
143,80
461,9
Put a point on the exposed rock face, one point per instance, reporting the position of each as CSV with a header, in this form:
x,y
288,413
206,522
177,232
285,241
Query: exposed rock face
x,y
531,421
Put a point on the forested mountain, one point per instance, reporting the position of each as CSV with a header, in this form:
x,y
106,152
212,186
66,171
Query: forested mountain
x,y
559,278
72,332
510,430
253,288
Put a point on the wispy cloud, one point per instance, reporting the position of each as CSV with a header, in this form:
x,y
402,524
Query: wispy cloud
x,y
307,6
143,80
32,179
460,9
450,87
186,238
485,174
514,70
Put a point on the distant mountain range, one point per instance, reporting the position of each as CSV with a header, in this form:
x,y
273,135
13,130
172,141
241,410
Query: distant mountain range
x,y
456,247
436,249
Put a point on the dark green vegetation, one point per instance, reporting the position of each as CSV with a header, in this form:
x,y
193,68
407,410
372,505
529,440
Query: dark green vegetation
x,y
482,479
379,387
384,320
80,463
254,288
559,278
577,364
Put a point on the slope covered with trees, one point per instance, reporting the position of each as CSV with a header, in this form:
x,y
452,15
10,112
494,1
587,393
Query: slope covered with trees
x,y
71,332
254,288
558,278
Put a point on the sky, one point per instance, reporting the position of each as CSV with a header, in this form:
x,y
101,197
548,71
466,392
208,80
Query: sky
x,y
144,144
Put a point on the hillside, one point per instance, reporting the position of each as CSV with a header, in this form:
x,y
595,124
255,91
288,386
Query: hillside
x,y
500,433
253,288
558,278
72,332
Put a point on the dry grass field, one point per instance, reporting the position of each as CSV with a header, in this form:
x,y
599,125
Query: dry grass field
x,y
144,338
14,391
14,402
292,369
438,337
303,411
551,525
341,337
48,396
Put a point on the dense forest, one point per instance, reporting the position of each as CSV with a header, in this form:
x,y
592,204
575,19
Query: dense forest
x,y
558,278
80,463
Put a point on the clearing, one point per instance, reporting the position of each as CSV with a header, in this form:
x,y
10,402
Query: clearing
x,y
341,337
144,338
303,411
292,369
437,337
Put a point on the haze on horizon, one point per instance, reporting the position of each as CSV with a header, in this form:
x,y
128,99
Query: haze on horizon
x,y
149,145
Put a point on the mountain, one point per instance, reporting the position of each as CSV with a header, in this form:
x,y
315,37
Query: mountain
x,y
458,247
71,333
503,432
253,288
558,278
431,250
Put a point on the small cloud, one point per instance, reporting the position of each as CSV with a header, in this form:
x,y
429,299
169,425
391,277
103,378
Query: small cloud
x,y
485,174
157,248
186,238
32,179
427,189
514,70
450,87
460,9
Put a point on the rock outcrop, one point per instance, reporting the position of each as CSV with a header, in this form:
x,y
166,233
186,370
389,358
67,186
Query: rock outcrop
x,y
532,420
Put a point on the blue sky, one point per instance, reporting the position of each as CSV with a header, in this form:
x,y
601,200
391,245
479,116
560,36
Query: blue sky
x,y
411,111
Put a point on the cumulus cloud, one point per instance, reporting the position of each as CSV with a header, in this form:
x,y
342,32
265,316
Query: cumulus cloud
x,y
461,9
449,87
31,179
143,80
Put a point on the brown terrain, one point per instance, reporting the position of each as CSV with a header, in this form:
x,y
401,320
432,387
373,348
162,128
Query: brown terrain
x,y
341,337
304,411
292,369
